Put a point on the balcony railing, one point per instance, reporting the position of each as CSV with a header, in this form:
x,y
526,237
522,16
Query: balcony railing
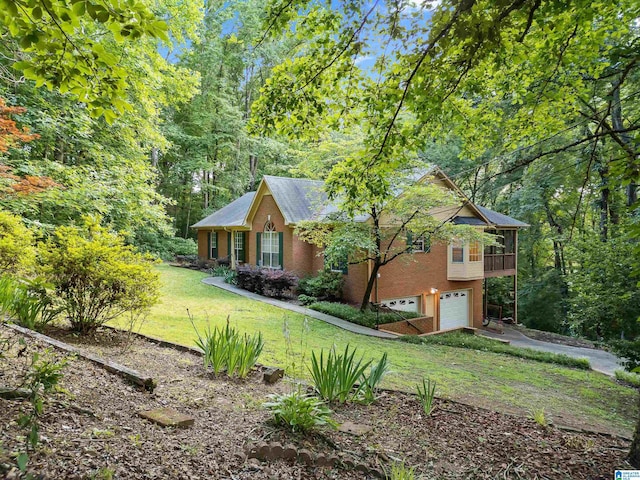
x,y
499,261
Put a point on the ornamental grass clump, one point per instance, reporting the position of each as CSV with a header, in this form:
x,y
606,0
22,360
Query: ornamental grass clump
x,y
334,376
299,412
341,377
371,382
426,395
224,349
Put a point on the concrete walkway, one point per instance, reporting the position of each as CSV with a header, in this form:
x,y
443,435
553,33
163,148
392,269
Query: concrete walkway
x,y
338,322
600,360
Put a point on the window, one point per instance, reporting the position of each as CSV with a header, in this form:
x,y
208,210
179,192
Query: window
x,y
270,247
213,244
457,253
239,246
341,266
475,253
509,241
419,244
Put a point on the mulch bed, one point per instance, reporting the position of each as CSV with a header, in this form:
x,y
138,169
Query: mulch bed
x,y
92,429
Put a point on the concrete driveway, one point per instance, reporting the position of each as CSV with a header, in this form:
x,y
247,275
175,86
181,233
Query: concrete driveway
x,y
600,360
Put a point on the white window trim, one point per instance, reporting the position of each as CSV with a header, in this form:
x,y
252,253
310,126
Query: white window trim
x,y
273,242
460,246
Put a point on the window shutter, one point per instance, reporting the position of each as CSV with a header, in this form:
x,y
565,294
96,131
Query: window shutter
x,y
258,249
208,244
215,250
281,249
410,241
427,244
345,267
229,247
243,244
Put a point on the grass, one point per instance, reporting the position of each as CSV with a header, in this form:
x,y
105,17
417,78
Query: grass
x,y
630,378
473,342
477,377
354,315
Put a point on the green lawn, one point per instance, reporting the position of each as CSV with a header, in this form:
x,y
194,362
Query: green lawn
x,y
481,378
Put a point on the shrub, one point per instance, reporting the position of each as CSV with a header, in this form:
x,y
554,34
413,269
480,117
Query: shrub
x,y
17,253
629,378
368,318
327,285
164,246
225,349
299,412
277,282
306,299
475,342
426,395
28,302
96,277
273,283
250,278
629,351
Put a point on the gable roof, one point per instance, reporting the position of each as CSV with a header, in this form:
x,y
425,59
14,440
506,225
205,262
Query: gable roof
x,y
231,215
298,198
501,220
301,199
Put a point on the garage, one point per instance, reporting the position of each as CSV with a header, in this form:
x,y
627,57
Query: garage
x,y
406,304
454,309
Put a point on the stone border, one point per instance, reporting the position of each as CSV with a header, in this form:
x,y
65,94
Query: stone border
x,y
147,383
276,451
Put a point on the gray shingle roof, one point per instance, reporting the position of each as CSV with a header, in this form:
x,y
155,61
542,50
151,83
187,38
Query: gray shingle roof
x,y
231,215
500,220
298,198
469,221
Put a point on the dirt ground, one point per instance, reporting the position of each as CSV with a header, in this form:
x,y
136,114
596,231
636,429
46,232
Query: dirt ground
x,y
91,428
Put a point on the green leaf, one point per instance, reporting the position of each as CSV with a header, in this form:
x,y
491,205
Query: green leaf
x,y
22,461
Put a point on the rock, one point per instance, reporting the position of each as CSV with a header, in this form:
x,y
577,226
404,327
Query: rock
x,y
354,428
272,374
263,450
252,451
305,456
275,451
332,460
289,452
348,463
361,467
377,472
167,417
322,461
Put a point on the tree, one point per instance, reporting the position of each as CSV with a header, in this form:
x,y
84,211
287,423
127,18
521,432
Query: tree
x,y
381,230
61,44
96,277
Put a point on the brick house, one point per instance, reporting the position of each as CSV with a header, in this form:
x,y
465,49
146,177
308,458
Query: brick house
x,y
442,282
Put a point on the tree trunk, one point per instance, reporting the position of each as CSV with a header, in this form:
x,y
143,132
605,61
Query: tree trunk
x,y
634,450
155,155
372,280
253,168
603,170
558,247
632,164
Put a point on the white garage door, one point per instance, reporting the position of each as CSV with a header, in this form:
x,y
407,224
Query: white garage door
x,y
454,309
406,304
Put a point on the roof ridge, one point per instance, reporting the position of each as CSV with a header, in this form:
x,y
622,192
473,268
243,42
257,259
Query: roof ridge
x,y
293,178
